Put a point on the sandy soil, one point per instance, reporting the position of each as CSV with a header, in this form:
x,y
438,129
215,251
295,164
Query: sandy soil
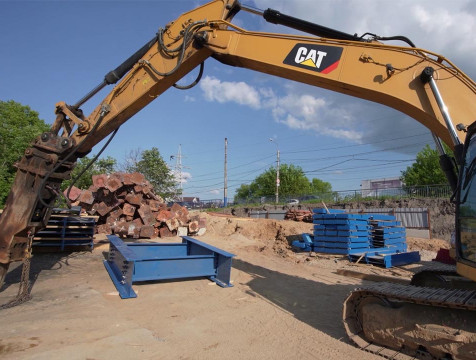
x,y
283,305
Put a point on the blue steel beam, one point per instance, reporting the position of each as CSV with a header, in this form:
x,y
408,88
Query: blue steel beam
x,y
128,263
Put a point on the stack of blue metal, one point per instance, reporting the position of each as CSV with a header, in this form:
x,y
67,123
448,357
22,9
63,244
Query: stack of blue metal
x,y
388,244
387,233
337,232
371,238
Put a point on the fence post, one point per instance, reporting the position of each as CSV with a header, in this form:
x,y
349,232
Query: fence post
x,y
429,224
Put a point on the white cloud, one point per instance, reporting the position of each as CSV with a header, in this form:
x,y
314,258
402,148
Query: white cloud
x,y
324,113
215,191
306,112
225,91
453,28
296,110
182,177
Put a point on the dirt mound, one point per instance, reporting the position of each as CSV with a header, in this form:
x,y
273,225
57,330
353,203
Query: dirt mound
x,y
276,236
265,234
427,244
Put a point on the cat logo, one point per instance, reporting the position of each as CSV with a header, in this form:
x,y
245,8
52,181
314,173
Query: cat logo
x,y
320,58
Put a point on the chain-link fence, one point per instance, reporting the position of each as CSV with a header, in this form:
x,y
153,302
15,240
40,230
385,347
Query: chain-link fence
x,y
425,191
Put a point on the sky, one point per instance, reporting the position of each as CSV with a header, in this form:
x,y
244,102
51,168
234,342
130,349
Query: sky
x,y
55,51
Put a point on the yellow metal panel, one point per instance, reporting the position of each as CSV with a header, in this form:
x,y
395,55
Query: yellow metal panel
x,y
466,271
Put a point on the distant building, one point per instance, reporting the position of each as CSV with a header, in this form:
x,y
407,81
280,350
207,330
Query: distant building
x,y
381,187
191,199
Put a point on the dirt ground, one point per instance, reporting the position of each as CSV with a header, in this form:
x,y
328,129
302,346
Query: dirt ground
x,y
283,305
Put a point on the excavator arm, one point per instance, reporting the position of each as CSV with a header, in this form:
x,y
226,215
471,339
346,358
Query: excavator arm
x,y
408,79
153,69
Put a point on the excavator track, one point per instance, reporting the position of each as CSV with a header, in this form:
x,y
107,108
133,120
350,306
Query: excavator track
x,y
441,276
449,334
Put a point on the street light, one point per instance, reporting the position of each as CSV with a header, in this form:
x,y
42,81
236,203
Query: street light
x,y
277,169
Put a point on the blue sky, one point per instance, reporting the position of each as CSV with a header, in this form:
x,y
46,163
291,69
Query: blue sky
x,y
55,51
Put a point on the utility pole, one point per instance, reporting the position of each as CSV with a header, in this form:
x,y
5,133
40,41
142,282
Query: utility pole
x,y
225,187
277,169
277,179
178,169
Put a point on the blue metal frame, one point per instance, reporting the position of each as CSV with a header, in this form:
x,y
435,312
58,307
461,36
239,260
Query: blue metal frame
x,y
66,231
303,245
131,262
387,257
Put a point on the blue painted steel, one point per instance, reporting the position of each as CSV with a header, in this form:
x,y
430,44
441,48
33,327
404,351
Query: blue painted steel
x,y
338,251
359,227
332,231
324,211
389,237
341,217
338,232
342,233
387,258
64,229
305,244
341,222
389,230
378,238
344,239
340,245
307,239
352,233
301,246
131,262
379,243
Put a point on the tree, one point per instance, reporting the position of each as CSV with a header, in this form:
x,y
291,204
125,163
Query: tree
x,y
293,182
101,166
320,187
151,164
243,192
425,170
19,125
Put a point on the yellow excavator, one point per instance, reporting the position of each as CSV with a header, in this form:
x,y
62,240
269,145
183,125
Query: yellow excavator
x,y
432,318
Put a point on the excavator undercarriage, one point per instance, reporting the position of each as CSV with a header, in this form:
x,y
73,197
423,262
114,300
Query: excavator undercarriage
x,y
410,322
434,317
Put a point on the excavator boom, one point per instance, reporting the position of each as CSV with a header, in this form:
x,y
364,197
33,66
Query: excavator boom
x,y
153,69
421,84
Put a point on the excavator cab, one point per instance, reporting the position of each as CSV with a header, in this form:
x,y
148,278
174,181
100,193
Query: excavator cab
x,y
466,209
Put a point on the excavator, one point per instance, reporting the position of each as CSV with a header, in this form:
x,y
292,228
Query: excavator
x,y
432,318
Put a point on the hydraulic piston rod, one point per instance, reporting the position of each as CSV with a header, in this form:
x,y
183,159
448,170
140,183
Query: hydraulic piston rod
x,y
427,77
446,162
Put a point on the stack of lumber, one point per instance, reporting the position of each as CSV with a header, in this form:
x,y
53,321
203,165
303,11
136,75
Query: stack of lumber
x,y
299,215
127,206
